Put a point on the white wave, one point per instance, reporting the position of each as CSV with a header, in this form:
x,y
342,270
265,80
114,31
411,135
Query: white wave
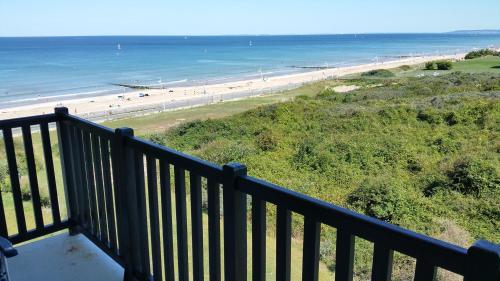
x,y
38,98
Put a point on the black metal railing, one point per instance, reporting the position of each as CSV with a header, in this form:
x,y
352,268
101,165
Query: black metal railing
x,y
130,197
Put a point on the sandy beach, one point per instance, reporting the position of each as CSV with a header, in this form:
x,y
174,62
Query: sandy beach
x,y
145,101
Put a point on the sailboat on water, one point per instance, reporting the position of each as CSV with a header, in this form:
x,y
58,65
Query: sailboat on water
x,y
118,47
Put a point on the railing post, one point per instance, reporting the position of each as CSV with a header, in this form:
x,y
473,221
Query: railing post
x,y
483,262
121,168
235,230
67,165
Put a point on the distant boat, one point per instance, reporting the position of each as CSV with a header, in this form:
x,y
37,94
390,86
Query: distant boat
x,y
119,47
250,43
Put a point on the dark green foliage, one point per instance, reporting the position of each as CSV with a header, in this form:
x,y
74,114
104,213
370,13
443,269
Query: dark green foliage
x,y
467,176
378,73
405,67
430,65
4,177
444,65
378,199
267,140
481,53
429,116
391,151
223,152
414,166
472,177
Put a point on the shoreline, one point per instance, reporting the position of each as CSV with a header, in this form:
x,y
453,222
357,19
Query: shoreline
x,y
144,101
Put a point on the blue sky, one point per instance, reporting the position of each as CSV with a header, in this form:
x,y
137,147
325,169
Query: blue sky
x,y
204,17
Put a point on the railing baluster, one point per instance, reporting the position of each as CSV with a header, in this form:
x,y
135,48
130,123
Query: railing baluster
x,y
214,261
310,256
180,203
382,263
80,178
110,211
483,262
425,271
67,157
96,152
124,192
197,226
90,183
283,243
49,169
14,180
3,222
258,239
235,224
166,212
154,217
33,180
345,255
141,209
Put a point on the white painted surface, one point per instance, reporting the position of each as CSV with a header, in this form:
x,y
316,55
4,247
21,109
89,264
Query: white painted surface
x,y
63,257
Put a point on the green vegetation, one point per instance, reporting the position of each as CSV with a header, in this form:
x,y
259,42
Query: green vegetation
x,y
405,67
439,65
421,153
430,65
481,53
381,73
444,65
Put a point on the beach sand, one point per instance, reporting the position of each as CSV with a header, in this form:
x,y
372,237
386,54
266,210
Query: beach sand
x,y
130,103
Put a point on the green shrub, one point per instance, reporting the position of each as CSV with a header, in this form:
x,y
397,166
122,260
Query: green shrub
x,y
405,67
25,192
267,140
4,177
481,53
444,65
429,117
224,151
378,199
430,65
381,73
472,177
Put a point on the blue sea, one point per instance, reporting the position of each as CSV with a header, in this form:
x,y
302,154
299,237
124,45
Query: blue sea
x,y
38,69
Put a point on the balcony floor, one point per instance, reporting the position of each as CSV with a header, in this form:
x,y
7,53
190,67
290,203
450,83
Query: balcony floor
x,y
63,257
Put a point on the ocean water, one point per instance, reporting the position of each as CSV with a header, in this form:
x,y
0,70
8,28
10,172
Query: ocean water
x,y
54,68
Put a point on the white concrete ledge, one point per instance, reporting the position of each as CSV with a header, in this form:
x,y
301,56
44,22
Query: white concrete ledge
x,y
63,258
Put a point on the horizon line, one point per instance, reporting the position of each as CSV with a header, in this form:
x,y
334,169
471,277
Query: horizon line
x,y
248,34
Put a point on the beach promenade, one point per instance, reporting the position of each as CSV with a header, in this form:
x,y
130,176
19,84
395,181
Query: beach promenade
x,y
140,102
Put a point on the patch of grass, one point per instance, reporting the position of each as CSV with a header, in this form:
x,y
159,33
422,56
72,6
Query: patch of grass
x,y
378,73
488,64
481,53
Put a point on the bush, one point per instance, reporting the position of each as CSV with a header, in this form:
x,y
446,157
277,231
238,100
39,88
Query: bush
x,y
481,53
472,177
381,73
430,65
267,140
429,117
224,151
405,67
444,65
377,199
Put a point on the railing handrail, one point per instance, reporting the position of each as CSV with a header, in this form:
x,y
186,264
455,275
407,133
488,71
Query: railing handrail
x,y
441,253
81,141
28,121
